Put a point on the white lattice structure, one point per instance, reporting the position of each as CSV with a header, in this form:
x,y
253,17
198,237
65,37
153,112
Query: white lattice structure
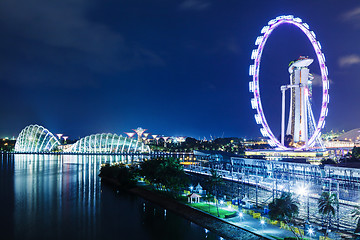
x,y
108,143
35,138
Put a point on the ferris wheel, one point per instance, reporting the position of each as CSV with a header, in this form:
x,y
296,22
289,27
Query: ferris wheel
x,y
254,85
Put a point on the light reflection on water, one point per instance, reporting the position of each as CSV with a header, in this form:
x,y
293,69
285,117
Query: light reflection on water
x,y
61,197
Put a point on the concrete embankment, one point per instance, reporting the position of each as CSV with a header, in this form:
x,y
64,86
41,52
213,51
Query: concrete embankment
x,y
214,224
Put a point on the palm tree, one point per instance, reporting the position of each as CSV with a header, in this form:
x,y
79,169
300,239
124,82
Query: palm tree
x,y
285,209
214,181
355,214
326,206
208,198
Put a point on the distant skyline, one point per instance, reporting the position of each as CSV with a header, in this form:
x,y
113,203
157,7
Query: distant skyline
x,y
173,67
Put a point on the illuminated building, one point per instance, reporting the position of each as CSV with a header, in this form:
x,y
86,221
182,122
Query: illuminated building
x,y
352,136
108,143
313,156
35,138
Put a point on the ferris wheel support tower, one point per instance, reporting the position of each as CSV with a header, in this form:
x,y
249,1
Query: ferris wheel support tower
x,y
298,114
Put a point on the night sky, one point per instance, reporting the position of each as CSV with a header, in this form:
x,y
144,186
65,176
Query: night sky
x,y
80,67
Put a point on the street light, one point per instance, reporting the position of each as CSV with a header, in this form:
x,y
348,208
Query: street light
x,y
311,232
262,223
304,191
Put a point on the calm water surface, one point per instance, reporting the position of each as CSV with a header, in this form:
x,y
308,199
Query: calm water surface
x,y
61,197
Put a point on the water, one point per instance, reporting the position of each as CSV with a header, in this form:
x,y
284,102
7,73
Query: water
x,y
61,197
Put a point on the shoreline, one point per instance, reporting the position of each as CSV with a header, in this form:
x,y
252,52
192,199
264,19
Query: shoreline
x,y
212,223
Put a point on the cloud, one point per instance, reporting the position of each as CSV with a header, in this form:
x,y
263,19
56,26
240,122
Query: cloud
x,y
232,46
65,29
352,16
317,81
194,5
349,60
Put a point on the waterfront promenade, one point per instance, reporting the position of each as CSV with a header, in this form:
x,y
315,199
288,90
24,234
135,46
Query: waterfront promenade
x,y
262,192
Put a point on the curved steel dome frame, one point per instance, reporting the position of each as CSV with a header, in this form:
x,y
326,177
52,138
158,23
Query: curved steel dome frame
x,y
34,139
108,143
254,84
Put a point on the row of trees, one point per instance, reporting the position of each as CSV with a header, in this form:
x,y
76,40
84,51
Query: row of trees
x,y
126,176
167,172
286,209
7,145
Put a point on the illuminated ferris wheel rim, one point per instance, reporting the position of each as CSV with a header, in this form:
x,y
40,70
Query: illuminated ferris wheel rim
x,y
254,84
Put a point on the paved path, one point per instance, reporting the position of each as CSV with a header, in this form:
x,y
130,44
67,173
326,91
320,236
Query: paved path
x,y
248,222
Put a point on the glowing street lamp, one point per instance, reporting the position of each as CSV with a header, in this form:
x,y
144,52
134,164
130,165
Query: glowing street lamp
x,y
262,223
59,135
303,191
65,138
310,232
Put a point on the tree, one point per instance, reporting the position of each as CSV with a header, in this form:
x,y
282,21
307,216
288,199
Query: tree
x,y
150,170
208,197
166,171
355,214
215,181
326,206
172,175
124,175
355,153
286,209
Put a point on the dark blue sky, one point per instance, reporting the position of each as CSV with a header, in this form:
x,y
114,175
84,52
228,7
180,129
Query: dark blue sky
x,y
174,67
